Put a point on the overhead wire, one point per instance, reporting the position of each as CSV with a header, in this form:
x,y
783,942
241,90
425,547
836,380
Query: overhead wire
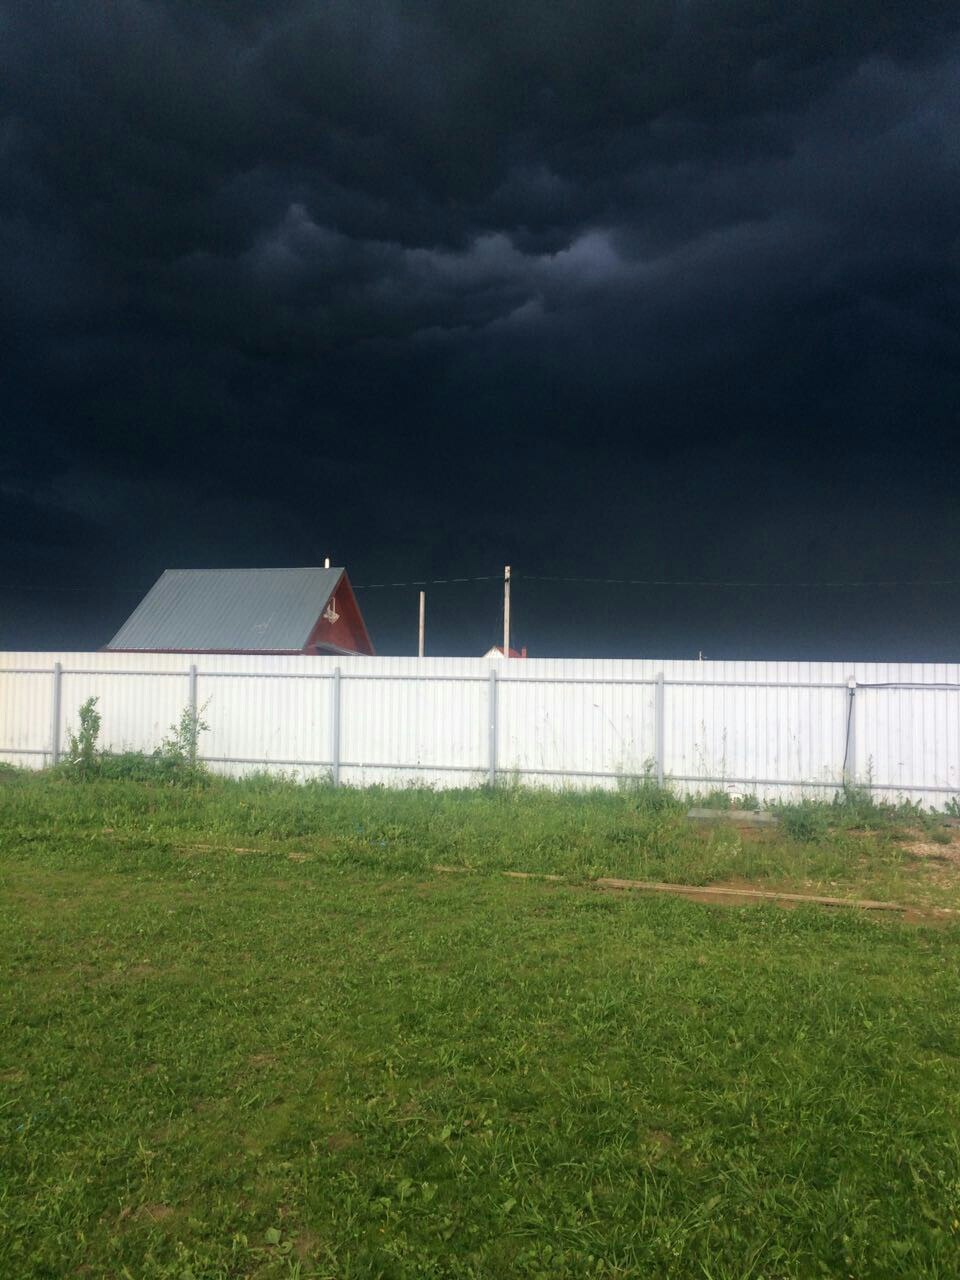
x,y
738,584
426,582
713,583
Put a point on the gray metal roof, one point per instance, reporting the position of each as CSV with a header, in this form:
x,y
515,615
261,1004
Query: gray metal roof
x,y
246,609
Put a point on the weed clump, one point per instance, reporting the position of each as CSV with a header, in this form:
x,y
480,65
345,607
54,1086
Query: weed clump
x,y
807,820
854,807
83,756
647,796
173,763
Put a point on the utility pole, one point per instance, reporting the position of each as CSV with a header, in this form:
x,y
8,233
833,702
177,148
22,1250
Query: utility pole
x,y
423,618
506,611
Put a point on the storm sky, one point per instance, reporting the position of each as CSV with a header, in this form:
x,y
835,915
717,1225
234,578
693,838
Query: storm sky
x,y
601,289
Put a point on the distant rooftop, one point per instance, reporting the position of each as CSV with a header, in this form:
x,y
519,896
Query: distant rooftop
x,y
243,610
497,652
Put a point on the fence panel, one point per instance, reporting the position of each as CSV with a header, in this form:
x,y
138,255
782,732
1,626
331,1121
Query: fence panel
x,y
400,729
266,721
752,735
908,739
565,728
26,710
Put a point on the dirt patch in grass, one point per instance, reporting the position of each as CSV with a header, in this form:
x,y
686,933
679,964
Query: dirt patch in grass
x,y
131,973
320,846
706,831
934,874
756,835
341,1141
305,1245
929,917
147,1213
929,850
155,1212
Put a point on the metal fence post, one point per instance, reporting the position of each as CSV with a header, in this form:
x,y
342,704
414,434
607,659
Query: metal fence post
x,y
658,723
850,738
192,704
55,714
335,730
492,728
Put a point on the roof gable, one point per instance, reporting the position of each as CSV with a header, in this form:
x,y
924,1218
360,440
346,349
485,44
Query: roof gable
x,y
229,609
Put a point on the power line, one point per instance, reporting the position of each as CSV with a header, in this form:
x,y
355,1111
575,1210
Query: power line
x,y
426,582
738,585
23,586
722,584
139,591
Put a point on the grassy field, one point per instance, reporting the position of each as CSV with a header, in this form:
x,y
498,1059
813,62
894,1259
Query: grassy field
x,y
249,1030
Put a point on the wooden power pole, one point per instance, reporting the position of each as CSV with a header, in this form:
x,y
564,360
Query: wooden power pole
x,y
506,611
423,619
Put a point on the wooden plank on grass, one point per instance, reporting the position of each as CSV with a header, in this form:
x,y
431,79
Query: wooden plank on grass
x,y
716,891
532,875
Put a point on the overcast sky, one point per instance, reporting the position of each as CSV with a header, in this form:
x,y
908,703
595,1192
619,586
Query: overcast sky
x,y
661,291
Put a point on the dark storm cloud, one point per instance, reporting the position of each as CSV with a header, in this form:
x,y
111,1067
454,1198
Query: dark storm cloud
x,y
271,274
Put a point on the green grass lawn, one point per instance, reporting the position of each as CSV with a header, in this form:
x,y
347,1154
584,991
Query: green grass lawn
x,y
347,1064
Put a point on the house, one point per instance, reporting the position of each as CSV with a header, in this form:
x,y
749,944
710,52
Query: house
x,y
247,611
497,652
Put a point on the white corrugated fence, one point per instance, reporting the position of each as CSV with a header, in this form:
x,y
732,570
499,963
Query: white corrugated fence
x,y
776,729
